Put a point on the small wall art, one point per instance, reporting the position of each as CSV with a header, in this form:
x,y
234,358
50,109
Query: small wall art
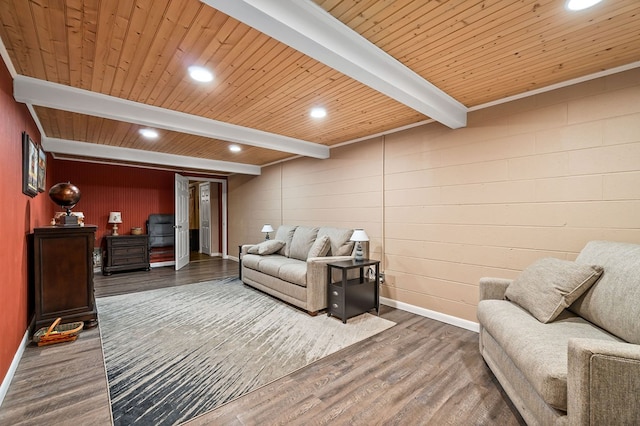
x,y
30,157
42,169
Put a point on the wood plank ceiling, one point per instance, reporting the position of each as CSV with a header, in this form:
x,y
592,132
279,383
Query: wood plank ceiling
x,y
476,51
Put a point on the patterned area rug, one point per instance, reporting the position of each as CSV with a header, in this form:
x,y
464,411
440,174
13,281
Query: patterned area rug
x,y
174,353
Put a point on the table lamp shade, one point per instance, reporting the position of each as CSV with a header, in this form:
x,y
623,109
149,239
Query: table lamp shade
x,y
115,217
358,236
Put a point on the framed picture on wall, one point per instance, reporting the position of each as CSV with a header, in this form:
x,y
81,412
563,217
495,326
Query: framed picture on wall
x,y
30,155
42,169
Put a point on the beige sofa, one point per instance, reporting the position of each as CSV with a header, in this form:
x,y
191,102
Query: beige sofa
x,y
293,265
581,367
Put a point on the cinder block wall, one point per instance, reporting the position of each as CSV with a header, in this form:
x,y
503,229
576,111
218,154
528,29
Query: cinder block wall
x,y
531,178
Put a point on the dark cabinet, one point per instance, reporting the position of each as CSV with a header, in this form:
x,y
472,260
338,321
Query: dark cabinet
x,y
63,275
350,297
125,253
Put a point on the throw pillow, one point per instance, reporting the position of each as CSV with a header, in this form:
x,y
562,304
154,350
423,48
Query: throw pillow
x,y
346,249
266,247
320,247
285,233
550,285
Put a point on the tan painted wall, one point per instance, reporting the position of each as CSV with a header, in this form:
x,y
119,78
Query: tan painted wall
x,y
528,179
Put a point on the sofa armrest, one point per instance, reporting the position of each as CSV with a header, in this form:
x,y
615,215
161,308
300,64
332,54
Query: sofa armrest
x,y
493,288
317,268
246,247
603,382
317,279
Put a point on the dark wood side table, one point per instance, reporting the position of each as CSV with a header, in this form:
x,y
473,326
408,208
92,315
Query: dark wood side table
x,y
63,275
350,297
125,253
240,262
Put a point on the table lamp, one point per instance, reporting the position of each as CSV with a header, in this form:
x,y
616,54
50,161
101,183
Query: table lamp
x,y
115,218
358,236
266,229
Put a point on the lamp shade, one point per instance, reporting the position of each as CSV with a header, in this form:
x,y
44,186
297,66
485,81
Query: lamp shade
x,y
359,235
267,228
115,217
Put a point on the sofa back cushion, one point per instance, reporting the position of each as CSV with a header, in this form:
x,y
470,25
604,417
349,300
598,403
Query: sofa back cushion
x,y
613,302
301,243
339,240
285,233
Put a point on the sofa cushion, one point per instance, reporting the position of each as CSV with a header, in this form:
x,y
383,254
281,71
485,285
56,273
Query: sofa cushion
x,y
550,285
303,239
320,247
294,273
271,264
338,237
613,303
538,350
251,261
285,233
266,247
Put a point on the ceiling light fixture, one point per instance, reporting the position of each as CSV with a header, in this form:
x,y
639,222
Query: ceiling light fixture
x,y
581,4
235,148
148,133
200,74
318,112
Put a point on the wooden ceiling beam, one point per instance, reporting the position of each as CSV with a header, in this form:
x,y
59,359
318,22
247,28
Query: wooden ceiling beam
x,y
308,28
52,95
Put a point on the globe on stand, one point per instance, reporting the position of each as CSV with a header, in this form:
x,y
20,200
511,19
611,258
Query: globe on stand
x,y
66,195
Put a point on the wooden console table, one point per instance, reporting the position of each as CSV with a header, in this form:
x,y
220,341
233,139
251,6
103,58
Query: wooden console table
x,y
125,253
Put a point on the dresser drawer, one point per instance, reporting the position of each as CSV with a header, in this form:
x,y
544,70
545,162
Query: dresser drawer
x,y
129,242
128,251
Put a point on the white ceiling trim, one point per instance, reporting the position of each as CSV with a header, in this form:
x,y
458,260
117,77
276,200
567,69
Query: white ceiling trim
x,y
52,95
304,26
67,147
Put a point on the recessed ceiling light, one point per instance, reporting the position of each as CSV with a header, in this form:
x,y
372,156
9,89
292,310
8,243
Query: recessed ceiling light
x,y
235,148
581,4
318,112
200,74
148,133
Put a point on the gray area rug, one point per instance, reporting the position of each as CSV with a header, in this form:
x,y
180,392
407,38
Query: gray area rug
x,y
174,353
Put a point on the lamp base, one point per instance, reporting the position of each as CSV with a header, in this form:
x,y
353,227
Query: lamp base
x,y
115,230
68,220
359,252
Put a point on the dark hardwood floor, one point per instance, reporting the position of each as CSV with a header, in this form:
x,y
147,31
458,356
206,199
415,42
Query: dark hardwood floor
x,y
418,372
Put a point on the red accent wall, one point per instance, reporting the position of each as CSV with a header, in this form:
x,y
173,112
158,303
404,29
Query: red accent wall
x,y
135,192
18,216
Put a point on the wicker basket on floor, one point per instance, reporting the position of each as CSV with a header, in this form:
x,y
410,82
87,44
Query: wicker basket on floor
x,y
58,333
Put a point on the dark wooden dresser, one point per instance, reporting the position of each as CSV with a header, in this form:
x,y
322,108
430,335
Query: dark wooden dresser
x,y
63,275
125,253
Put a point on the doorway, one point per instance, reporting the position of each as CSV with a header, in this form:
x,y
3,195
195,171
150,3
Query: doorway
x,y
207,218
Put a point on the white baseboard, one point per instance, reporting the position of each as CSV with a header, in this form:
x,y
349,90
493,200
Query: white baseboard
x,y
4,387
438,316
160,264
